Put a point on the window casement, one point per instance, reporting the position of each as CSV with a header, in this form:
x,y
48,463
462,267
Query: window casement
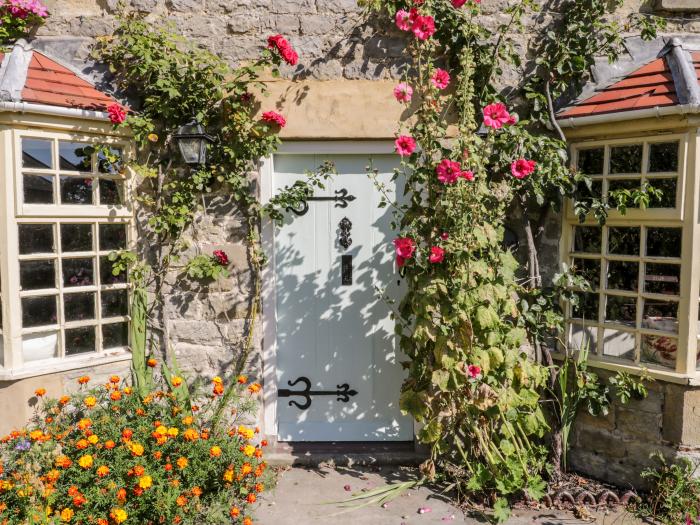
x,y
67,210
640,311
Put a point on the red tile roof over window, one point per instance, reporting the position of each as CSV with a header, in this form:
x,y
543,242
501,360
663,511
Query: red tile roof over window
x,y
55,85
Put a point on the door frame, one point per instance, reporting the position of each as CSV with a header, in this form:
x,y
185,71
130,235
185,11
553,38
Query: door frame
x,y
267,239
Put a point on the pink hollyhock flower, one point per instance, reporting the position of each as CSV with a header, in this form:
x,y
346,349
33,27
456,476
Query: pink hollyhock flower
x,y
512,119
460,3
444,236
467,175
117,115
521,168
279,43
440,79
496,115
448,171
403,20
403,92
423,27
405,145
221,257
437,255
273,117
474,371
405,248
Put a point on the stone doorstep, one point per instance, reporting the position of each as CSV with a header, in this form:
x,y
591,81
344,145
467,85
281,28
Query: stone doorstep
x,y
344,454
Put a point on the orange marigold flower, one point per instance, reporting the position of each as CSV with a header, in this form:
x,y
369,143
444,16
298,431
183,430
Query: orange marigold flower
x,y
196,491
102,471
228,475
176,381
115,396
204,434
136,449
246,432
250,498
83,380
140,412
195,408
258,453
259,487
127,433
128,390
254,388
187,421
168,467
64,400
181,501
247,521
102,521
242,379
84,423
177,520
73,491
218,389
246,469
109,444
79,500
234,512
248,450
263,443
152,362
35,435
66,514
52,476
157,454
90,401
215,451
190,434
121,494
182,462
48,419
114,379
63,461
85,461
40,392
162,440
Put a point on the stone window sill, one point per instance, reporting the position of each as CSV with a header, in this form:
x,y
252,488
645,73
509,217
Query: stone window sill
x,y
687,6
63,365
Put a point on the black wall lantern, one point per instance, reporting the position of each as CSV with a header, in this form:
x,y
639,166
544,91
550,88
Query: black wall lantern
x,y
192,141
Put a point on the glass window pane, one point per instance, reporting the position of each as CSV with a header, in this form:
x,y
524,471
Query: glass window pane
x,y
623,241
621,310
663,157
619,185
76,190
106,276
112,236
79,306
587,239
35,275
662,278
38,311
111,163
38,189
36,347
590,161
623,275
626,159
78,272
589,269
36,153
584,338
584,193
80,340
75,156
659,349
115,303
660,315
35,238
668,193
76,237
111,192
664,242
618,343
115,335
587,307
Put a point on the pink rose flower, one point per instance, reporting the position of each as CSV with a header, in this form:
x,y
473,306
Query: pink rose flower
x,y
405,248
467,175
521,168
403,20
448,171
221,257
474,371
423,27
279,43
437,255
273,117
496,115
117,115
440,79
403,92
405,145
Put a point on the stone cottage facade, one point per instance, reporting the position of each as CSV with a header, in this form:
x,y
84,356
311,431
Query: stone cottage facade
x,y
339,106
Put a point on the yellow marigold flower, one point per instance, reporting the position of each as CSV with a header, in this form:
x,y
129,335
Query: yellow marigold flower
x,y
242,379
66,514
182,462
145,482
162,430
84,423
102,471
217,379
85,461
176,381
187,420
118,515
249,450
215,451
136,448
228,475
127,390
153,138
93,439
53,475
90,401
246,432
173,432
35,434
255,388
191,434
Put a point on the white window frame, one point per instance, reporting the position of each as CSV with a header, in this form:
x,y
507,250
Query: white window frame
x,y
17,212
686,216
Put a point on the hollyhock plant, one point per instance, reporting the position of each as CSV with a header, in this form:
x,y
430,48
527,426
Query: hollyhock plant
x,y
405,248
279,44
440,79
273,117
437,255
405,145
496,115
423,27
448,171
403,92
521,168
117,115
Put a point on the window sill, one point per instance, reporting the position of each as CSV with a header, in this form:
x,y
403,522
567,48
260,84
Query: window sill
x,y
656,373
63,365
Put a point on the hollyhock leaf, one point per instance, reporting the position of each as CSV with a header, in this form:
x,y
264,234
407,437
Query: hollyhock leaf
x,y
412,403
486,317
441,379
431,432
